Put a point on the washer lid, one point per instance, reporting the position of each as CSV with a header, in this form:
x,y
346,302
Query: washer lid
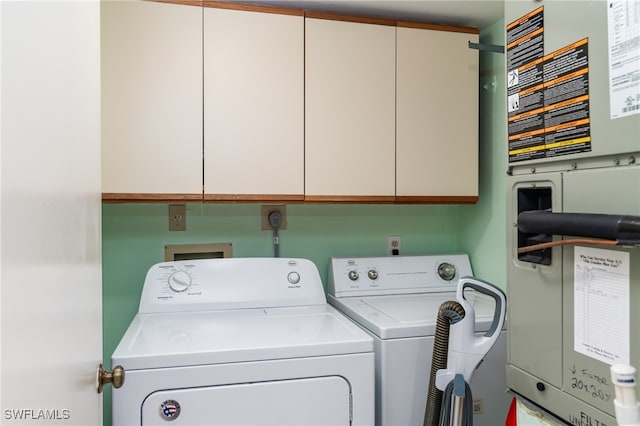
x,y
408,315
201,338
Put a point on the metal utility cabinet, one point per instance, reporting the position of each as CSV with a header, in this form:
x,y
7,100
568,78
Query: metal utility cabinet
x,y
573,102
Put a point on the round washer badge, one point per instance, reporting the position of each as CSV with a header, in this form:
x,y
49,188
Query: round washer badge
x,y
170,410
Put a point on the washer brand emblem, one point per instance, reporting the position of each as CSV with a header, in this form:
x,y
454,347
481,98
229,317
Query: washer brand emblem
x,y
170,410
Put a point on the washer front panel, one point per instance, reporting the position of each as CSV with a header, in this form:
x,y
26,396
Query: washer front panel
x,y
320,401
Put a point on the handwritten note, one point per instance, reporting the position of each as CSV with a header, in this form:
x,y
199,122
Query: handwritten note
x,y
601,304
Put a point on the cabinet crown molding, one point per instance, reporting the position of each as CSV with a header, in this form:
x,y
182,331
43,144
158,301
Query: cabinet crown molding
x,y
318,14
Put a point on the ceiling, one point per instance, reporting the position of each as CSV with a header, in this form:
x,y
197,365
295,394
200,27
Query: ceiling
x,y
473,13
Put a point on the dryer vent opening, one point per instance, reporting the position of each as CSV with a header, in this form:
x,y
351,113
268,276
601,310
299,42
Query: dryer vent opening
x,y
534,199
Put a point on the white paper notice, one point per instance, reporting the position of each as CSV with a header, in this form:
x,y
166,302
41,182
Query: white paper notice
x,y
624,57
601,304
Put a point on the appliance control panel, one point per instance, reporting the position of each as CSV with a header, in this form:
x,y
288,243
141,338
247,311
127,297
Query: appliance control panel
x,y
231,283
368,276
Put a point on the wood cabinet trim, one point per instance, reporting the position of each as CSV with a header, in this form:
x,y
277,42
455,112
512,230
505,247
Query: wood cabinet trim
x,y
350,199
437,199
115,197
197,3
252,8
253,198
119,198
349,18
322,15
438,27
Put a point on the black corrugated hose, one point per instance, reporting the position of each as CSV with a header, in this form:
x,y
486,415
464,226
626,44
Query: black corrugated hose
x,y
450,312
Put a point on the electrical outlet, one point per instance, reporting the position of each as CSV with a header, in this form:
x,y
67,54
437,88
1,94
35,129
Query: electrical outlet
x,y
393,245
177,217
266,210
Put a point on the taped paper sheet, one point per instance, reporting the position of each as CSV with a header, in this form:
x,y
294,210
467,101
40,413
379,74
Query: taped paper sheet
x,y
624,57
601,304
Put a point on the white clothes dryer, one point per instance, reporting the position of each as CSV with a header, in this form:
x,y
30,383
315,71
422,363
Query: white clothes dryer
x,y
396,300
242,341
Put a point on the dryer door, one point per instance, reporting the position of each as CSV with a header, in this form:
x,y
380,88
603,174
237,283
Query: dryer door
x,y
318,401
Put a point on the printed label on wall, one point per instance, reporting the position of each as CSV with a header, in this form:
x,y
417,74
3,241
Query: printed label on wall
x,y
547,95
566,100
601,304
525,53
624,57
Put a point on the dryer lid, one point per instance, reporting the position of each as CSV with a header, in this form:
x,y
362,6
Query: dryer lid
x,y
407,315
205,338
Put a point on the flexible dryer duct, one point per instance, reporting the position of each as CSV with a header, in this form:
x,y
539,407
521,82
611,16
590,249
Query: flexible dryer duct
x,y
450,312
625,229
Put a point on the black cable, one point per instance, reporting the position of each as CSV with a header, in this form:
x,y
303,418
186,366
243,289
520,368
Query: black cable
x,y
275,219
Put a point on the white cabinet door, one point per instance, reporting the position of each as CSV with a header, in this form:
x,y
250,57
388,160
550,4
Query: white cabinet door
x,y
349,109
253,103
151,98
437,114
51,339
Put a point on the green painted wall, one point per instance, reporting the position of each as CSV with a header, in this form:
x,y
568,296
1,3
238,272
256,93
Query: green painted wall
x,y
134,235
482,231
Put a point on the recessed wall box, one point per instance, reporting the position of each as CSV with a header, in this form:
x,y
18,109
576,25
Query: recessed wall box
x,y
197,251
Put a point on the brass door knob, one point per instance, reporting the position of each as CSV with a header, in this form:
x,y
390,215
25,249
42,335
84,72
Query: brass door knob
x,y
116,377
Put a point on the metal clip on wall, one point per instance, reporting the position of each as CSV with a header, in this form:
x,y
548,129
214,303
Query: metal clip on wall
x,y
486,47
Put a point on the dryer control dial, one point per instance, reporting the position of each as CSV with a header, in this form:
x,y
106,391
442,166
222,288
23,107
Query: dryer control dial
x,y
353,275
446,271
179,281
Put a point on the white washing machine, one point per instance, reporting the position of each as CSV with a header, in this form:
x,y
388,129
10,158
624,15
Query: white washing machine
x,y
396,299
242,341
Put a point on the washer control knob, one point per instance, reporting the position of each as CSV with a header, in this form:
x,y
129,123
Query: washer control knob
x,y
293,277
353,275
373,274
179,281
446,271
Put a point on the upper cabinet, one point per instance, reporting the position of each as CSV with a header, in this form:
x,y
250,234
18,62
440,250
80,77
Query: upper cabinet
x,y
436,115
391,112
253,104
218,101
151,101
349,110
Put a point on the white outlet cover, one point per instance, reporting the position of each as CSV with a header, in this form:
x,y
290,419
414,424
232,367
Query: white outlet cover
x,y
393,242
